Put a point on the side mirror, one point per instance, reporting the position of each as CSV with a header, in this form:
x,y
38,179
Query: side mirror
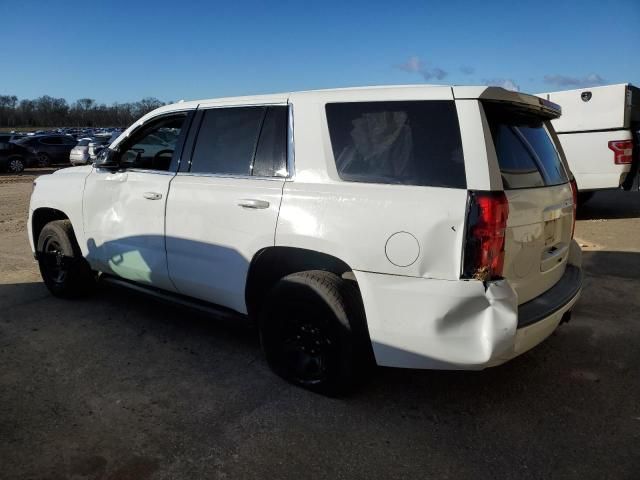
x,y
107,158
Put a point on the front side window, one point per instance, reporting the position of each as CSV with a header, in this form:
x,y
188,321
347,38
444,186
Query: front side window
x,y
526,154
153,147
406,142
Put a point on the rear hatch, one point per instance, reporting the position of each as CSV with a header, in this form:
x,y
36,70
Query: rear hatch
x,y
541,208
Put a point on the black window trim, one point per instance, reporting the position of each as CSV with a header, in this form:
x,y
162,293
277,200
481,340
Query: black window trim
x,y
197,124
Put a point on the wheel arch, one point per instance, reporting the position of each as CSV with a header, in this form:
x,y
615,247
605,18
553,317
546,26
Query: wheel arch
x,y
43,215
273,263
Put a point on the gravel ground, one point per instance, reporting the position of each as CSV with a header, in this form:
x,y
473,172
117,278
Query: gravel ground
x,y
119,386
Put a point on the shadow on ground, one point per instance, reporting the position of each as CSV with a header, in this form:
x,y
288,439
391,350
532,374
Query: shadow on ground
x,y
122,386
611,204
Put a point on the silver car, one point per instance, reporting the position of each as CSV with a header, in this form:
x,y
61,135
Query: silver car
x,y
98,143
79,154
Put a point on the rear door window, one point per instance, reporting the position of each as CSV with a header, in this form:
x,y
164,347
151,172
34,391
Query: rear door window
x,y
406,142
526,154
271,154
227,140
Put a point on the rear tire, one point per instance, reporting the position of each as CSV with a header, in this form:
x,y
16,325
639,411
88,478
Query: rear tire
x,y
44,160
63,268
313,332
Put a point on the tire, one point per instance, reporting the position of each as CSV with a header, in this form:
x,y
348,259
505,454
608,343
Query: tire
x,y
63,268
313,332
44,160
15,165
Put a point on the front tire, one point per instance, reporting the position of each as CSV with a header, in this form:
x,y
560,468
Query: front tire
x,y
63,268
15,165
313,332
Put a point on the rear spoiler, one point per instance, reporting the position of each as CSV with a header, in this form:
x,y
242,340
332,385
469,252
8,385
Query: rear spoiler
x,y
541,106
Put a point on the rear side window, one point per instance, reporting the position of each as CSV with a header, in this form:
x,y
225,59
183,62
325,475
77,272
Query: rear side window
x,y
227,140
408,143
526,154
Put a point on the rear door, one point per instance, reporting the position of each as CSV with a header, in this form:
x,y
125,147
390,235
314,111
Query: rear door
x,y
224,208
541,210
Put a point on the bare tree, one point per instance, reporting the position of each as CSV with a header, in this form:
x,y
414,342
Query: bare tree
x,y
47,111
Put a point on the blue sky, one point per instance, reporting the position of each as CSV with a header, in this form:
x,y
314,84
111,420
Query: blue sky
x,y
122,51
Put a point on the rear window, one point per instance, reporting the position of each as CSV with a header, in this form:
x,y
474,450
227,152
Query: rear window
x,y
408,143
526,154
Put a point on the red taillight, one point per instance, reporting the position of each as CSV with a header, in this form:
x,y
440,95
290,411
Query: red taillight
x,y
574,193
486,227
622,151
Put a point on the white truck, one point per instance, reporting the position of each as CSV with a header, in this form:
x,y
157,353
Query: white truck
x,y
414,226
598,130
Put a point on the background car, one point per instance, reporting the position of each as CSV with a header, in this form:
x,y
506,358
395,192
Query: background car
x,y
79,154
98,143
49,149
13,158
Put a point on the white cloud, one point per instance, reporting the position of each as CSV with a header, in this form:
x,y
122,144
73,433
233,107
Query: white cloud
x,y
590,80
506,83
414,64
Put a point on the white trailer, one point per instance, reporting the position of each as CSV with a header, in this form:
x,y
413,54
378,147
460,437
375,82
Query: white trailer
x,y
599,130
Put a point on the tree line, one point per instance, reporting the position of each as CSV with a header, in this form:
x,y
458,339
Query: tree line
x,y
48,111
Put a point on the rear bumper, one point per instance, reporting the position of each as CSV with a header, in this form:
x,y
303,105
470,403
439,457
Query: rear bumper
x,y
554,299
459,325
80,158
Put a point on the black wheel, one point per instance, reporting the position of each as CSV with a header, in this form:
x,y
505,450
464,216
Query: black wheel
x,y
15,165
64,271
314,333
44,160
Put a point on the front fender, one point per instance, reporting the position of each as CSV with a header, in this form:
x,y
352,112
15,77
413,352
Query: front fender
x,y
62,191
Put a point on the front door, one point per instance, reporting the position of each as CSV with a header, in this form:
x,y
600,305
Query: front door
x,y
124,210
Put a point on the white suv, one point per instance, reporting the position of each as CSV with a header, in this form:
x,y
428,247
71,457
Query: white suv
x,y
416,226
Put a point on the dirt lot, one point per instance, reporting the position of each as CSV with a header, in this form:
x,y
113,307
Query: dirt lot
x,y
121,387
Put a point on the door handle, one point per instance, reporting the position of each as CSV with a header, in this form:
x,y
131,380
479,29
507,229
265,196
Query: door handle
x,y
152,195
253,203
